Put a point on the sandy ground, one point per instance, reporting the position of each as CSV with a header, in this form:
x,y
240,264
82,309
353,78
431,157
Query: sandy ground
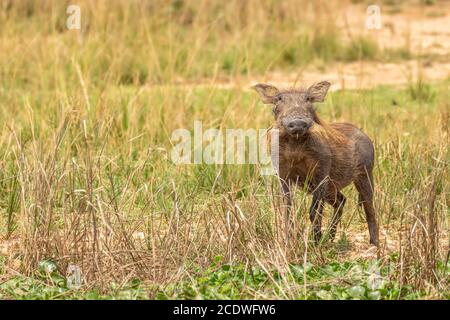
x,y
362,75
425,30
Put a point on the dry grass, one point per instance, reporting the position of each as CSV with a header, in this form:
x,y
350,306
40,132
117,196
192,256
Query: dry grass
x,y
86,176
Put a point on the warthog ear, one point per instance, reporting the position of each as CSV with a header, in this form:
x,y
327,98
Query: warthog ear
x,y
267,92
318,91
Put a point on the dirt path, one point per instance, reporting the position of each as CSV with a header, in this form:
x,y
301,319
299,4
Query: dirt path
x,y
421,28
424,30
355,75
360,75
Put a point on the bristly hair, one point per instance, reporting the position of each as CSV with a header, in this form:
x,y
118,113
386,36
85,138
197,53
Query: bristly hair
x,y
294,90
323,129
320,128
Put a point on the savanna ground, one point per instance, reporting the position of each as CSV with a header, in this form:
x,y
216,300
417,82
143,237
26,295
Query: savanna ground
x,y
86,177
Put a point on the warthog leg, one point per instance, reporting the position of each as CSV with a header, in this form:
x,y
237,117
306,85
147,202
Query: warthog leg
x,y
364,185
338,203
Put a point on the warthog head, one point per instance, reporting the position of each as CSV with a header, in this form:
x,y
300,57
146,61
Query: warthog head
x,y
293,109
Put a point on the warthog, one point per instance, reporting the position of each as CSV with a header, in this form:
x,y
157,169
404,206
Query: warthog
x,y
320,157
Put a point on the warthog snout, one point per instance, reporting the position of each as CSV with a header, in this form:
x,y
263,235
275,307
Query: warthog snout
x,y
296,126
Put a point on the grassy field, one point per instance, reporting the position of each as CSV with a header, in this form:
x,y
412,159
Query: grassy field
x,y
86,177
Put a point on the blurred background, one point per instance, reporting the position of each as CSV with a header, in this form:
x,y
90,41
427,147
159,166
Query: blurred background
x,y
86,116
182,41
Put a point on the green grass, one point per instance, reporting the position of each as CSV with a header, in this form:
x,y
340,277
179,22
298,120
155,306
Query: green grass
x,y
85,141
333,281
141,184
180,39
355,280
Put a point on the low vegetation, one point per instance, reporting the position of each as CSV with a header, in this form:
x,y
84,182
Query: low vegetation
x,y
86,177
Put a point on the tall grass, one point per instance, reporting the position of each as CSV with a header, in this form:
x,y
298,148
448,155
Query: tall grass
x,y
86,176
136,42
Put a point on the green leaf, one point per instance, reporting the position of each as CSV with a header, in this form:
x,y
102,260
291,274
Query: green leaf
x,y
324,295
374,295
357,292
59,280
46,266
